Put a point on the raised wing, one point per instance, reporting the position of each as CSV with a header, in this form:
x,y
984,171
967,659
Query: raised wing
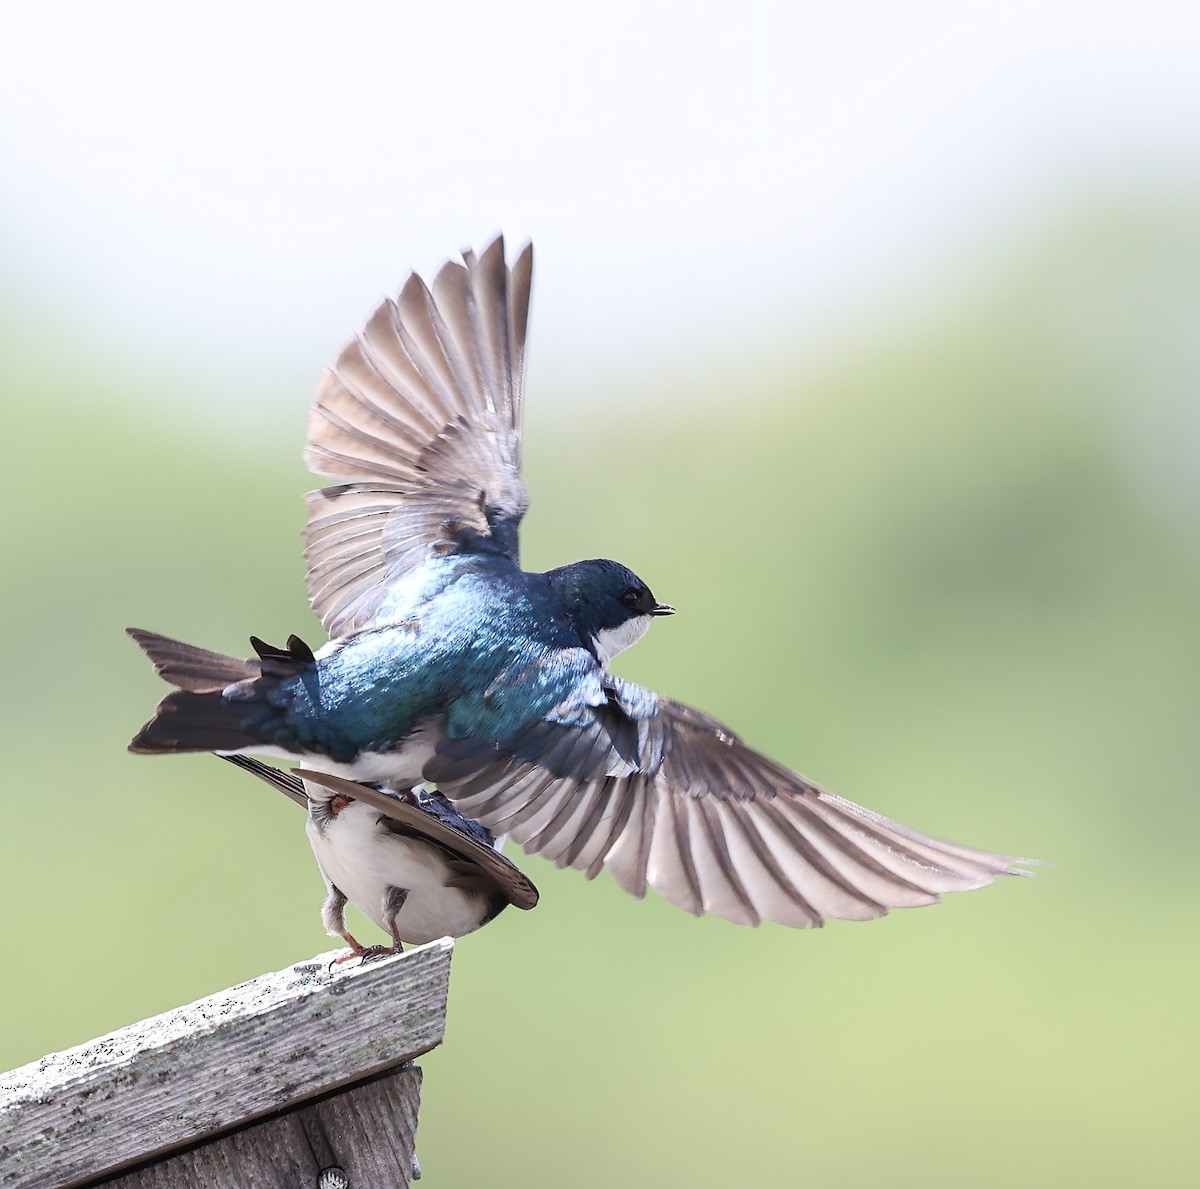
x,y
422,415
663,796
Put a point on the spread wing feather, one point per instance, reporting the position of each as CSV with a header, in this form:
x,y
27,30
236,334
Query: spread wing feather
x,y
421,416
708,822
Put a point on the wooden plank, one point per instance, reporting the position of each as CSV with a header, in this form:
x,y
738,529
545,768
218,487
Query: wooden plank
x,y
367,1132
216,1064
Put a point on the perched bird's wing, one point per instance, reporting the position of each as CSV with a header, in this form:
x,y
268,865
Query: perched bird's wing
x,y
511,880
421,415
666,797
289,785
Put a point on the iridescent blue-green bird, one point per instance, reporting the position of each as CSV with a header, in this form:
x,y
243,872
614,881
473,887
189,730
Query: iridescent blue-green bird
x,y
450,665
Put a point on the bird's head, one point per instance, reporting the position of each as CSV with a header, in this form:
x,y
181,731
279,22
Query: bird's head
x,y
608,603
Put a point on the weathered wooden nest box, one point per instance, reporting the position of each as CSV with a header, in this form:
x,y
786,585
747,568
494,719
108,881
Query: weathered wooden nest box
x,y
299,1078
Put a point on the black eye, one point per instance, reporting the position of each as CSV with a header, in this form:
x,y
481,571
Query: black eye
x,y
631,598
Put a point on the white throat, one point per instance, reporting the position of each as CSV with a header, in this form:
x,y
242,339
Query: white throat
x,y
611,641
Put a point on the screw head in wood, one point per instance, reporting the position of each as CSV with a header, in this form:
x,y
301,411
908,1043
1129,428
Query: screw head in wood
x,y
333,1178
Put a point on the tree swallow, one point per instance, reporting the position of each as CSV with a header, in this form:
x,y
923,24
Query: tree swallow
x,y
410,862
449,664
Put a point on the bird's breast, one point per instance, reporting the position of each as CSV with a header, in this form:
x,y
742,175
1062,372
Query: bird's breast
x,y
365,860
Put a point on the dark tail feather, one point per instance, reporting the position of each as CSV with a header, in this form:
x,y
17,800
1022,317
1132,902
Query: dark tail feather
x,y
197,716
187,721
194,717
188,667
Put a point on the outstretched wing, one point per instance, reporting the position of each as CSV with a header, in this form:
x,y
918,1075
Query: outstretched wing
x,y
421,415
666,797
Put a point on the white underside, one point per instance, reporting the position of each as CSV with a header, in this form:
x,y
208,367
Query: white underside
x,y
364,861
399,769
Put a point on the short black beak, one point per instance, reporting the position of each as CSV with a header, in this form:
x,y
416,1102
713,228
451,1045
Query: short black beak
x,y
662,609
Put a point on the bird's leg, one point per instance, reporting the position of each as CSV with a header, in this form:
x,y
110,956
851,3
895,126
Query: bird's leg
x,y
393,902
333,917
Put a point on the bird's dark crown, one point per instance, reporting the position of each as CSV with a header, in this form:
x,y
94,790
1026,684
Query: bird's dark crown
x,y
601,595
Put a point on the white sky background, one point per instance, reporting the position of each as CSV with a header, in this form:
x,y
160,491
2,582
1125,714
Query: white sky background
x,y
231,186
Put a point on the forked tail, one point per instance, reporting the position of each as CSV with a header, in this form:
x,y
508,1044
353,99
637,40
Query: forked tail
x,y
198,715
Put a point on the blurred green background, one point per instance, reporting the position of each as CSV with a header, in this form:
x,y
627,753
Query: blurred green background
x,y
948,567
